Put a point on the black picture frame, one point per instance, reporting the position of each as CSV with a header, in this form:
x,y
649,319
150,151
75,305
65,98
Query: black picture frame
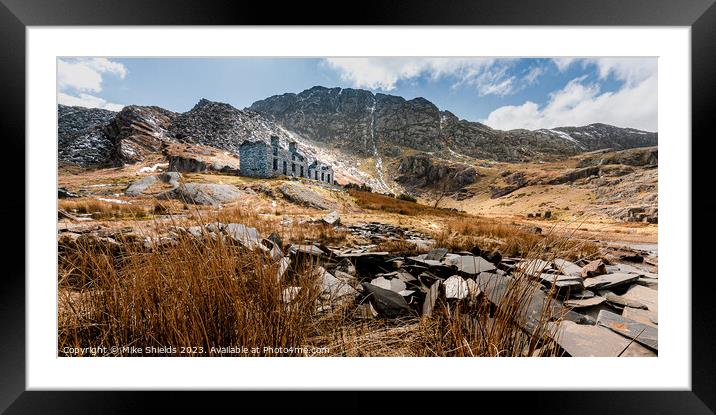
x,y
16,15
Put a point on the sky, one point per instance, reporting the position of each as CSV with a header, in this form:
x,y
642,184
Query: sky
x,y
504,93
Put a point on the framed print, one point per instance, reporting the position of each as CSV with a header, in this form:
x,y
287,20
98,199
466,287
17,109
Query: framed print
x,y
468,198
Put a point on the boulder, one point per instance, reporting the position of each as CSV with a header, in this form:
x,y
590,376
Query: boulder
x,y
456,287
346,266
246,236
642,316
283,264
205,193
170,178
332,219
562,282
594,269
302,195
473,290
140,186
63,193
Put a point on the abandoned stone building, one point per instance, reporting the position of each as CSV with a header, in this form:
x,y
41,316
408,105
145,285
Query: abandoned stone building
x,y
259,159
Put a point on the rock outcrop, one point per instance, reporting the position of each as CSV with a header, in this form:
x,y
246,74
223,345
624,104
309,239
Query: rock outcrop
x,y
137,131
425,172
639,157
80,136
222,126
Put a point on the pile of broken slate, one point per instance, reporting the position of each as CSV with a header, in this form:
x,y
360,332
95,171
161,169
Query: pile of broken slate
x,y
598,308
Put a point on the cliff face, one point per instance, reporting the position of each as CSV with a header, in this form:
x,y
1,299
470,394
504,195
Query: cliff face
x,y
420,171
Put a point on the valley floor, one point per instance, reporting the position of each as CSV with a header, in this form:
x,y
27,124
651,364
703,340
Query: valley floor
x,y
154,259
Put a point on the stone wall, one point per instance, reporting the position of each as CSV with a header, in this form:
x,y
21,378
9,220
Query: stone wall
x,y
254,158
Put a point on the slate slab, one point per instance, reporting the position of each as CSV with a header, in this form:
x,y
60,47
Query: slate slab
x,y
562,282
533,306
533,266
595,341
430,298
644,295
305,249
283,264
581,295
607,281
641,333
332,288
567,267
436,254
621,301
473,265
394,284
587,302
386,302
642,316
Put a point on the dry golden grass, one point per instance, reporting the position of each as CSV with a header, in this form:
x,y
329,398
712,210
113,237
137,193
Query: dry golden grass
x,y
102,210
387,204
511,240
202,294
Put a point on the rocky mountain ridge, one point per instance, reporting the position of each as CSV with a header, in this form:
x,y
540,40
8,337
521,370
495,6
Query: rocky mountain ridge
x,y
383,125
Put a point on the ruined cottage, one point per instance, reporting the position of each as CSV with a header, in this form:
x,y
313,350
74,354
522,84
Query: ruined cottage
x,y
259,159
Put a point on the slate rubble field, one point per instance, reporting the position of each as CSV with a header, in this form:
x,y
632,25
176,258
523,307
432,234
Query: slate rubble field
x,y
589,307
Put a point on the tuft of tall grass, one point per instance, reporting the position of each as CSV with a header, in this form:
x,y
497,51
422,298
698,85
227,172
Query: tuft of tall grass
x,y
201,293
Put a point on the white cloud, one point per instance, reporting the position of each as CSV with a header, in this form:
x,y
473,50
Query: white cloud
x,y
580,103
85,74
489,76
531,77
563,63
628,69
88,101
78,76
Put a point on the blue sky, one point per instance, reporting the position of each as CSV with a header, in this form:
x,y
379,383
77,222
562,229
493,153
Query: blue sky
x,y
503,93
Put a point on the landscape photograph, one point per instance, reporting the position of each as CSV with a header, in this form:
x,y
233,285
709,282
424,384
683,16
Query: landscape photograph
x,y
357,207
